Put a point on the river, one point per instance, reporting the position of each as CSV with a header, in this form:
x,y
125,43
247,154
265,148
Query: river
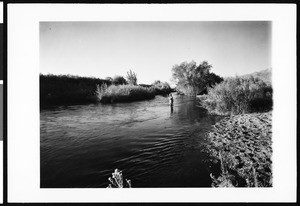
x,y
153,145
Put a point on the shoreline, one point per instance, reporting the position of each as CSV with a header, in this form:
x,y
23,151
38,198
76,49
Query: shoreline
x,y
241,146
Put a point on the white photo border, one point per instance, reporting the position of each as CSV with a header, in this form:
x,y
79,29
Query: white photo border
x,y
23,99
2,96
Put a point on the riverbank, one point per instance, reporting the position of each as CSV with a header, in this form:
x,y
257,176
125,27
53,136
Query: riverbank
x,y
56,90
124,93
242,147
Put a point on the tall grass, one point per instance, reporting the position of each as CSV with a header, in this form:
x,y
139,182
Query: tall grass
x,y
68,89
239,95
123,93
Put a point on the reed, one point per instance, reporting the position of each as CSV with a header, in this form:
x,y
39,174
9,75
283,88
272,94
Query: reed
x,y
123,93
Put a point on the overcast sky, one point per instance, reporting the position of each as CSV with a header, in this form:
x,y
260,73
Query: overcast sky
x,y
106,49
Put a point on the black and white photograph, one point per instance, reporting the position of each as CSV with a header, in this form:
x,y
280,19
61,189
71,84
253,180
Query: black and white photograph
x,y
135,103
155,104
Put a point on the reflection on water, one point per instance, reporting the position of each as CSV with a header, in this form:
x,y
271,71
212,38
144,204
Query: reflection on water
x,y
155,145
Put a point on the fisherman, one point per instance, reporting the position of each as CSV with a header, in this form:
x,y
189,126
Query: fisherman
x,y
171,100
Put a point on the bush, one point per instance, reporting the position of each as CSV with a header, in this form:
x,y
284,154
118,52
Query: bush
x,y
119,80
161,87
186,90
238,95
123,93
117,181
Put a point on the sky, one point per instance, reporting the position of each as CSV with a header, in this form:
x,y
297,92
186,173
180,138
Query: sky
x,y
151,49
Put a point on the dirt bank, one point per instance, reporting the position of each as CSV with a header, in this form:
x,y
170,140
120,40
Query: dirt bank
x,y
242,147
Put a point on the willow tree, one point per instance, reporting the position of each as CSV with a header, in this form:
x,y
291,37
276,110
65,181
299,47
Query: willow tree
x,y
192,79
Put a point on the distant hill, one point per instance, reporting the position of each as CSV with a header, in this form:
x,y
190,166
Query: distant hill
x,y
265,75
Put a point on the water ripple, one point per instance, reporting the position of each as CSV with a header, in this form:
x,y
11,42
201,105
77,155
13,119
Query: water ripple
x,y
154,146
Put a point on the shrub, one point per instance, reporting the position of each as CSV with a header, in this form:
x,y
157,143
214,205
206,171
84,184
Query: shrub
x,y
186,90
123,93
119,80
146,85
161,87
238,95
109,79
117,180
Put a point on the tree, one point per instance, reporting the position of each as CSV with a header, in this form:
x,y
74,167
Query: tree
x,y
213,79
119,80
161,87
131,77
192,79
156,82
109,79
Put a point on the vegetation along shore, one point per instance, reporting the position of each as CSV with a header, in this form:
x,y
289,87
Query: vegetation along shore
x,y
69,89
242,145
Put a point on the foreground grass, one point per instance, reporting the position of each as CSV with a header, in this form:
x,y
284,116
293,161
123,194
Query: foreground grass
x,y
123,93
117,181
241,145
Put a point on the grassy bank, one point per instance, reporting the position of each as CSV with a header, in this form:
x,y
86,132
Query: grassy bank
x,y
67,89
123,93
239,95
242,147
240,144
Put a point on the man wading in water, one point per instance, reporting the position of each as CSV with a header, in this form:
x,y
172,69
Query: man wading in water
x,y
171,100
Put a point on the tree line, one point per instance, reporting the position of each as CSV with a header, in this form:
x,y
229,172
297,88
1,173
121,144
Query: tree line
x,y
238,95
70,89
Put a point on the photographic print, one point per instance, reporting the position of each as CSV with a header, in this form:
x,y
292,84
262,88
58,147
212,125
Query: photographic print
x,y
151,103
155,104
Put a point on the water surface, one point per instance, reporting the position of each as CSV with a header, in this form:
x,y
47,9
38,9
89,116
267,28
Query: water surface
x,y
153,144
